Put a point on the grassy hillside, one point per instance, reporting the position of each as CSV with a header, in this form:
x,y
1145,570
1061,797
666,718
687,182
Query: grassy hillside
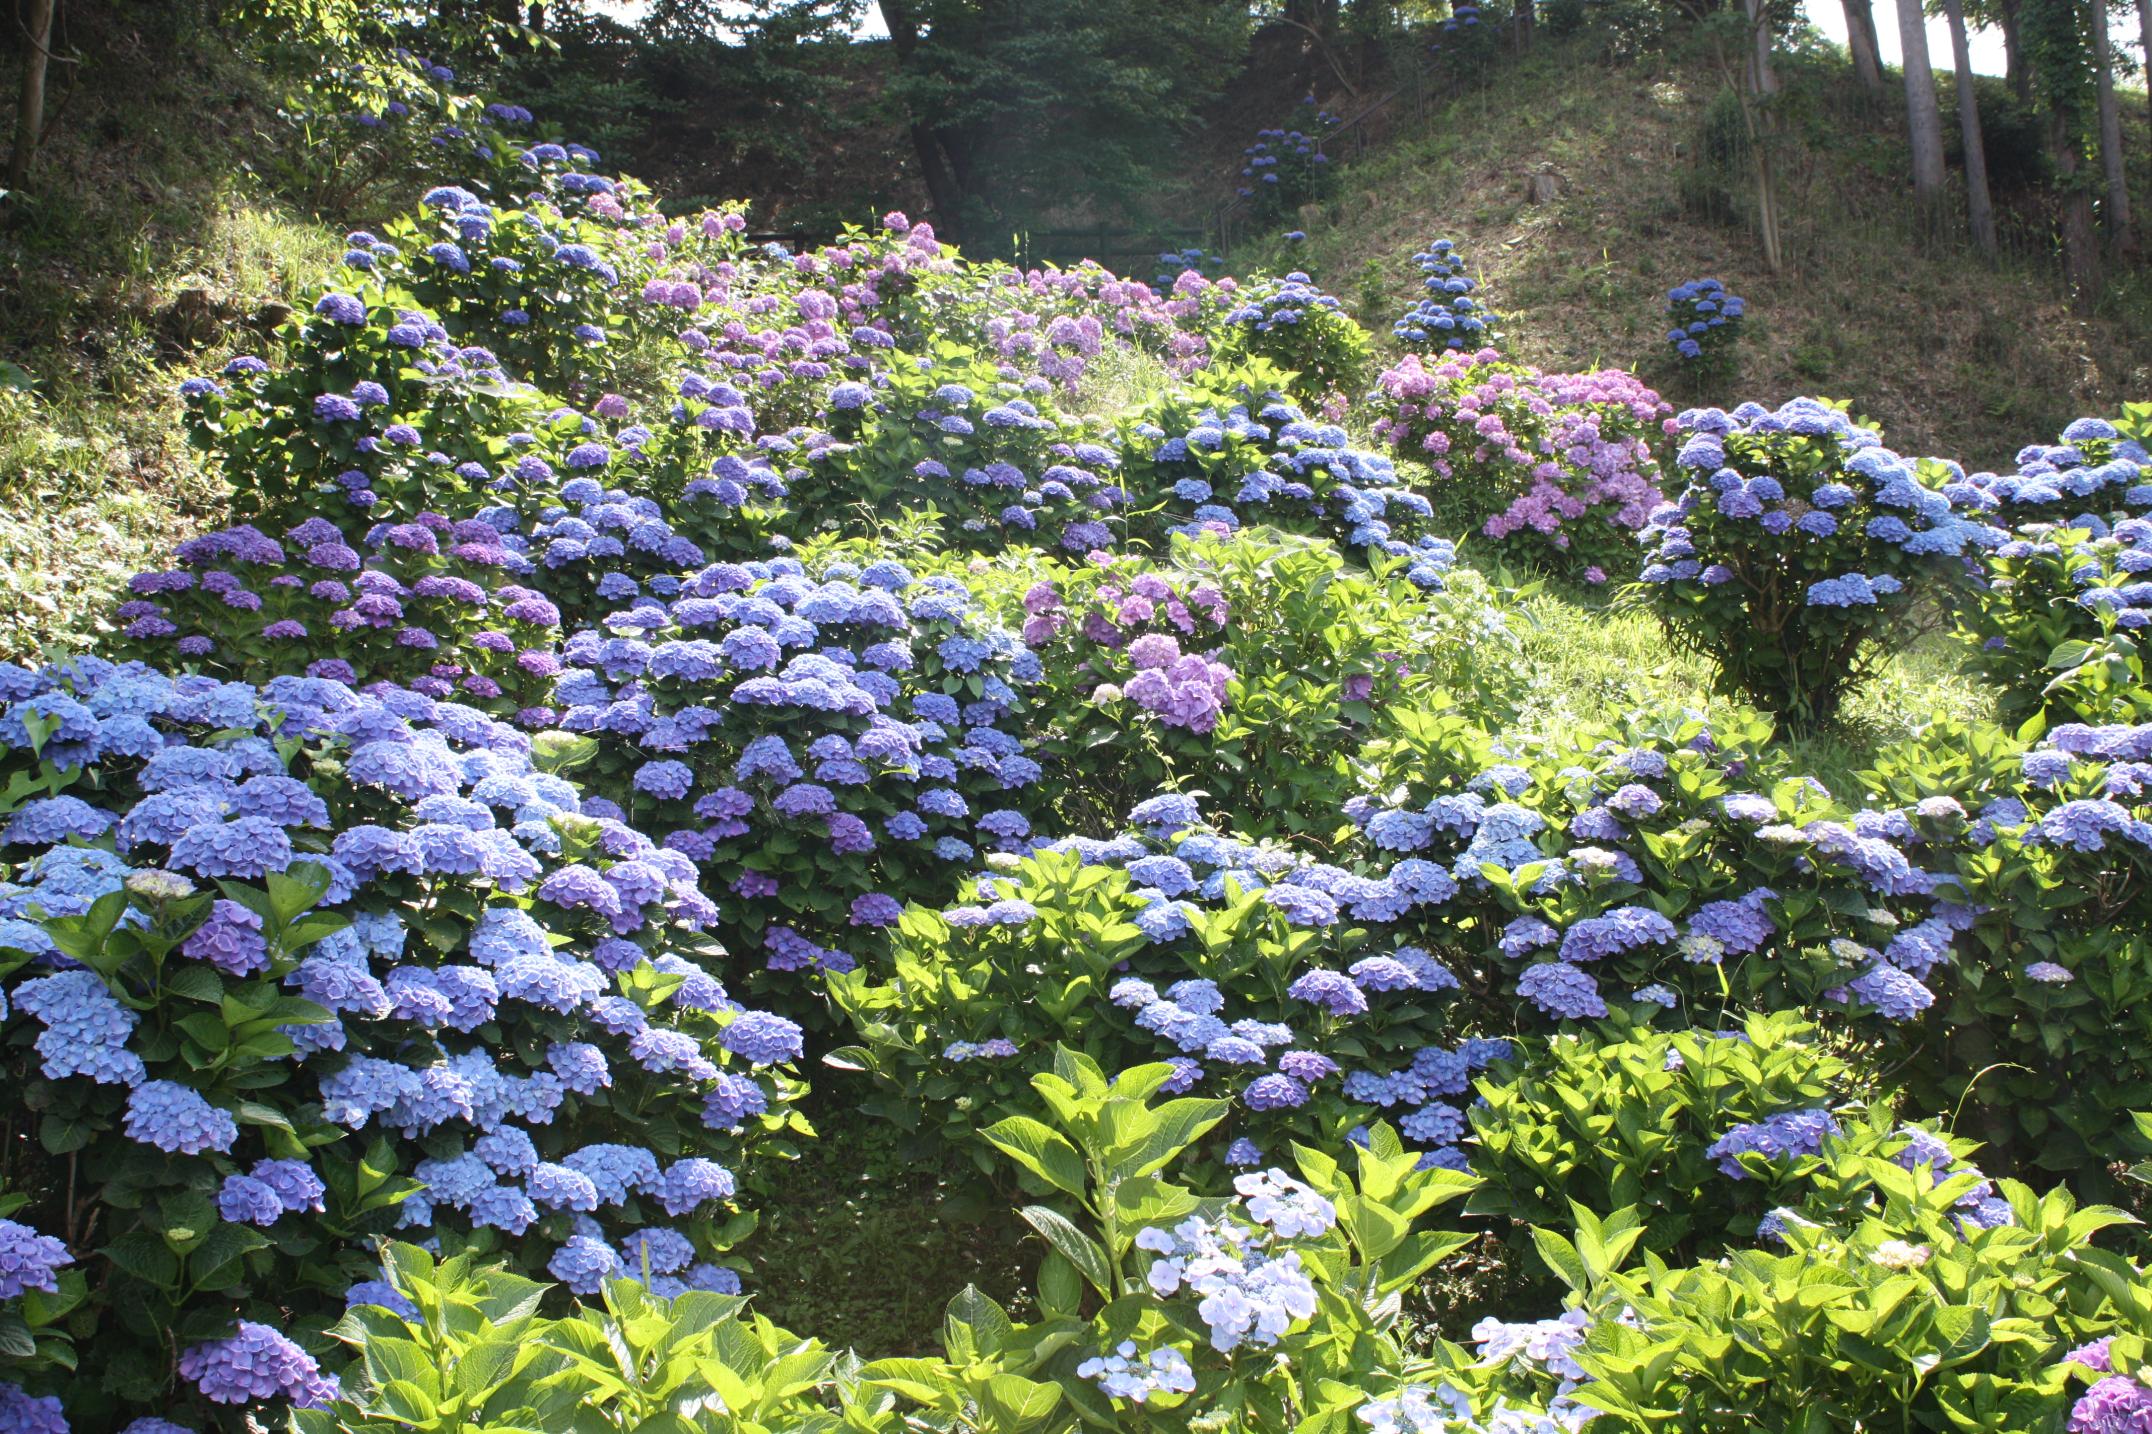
x,y
172,213
156,236
1950,356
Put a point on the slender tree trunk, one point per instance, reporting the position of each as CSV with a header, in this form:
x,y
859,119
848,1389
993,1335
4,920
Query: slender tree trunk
x,y
2144,38
1763,78
30,110
1924,119
944,190
2014,67
1980,208
2118,187
2080,257
1861,44
1758,83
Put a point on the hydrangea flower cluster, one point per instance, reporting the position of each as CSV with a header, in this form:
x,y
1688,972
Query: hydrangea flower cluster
x,y
1795,541
599,548
1053,324
1127,1373
1783,1137
435,605
1127,642
1173,263
1446,1409
2115,1405
813,742
1219,467
1448,317
1247,1280
1980,1207
1535,460
2072,813
1704,321
29,1260
431,957
2092,478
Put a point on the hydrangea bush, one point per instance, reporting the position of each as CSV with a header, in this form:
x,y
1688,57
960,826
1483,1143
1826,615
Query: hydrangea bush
x,y
434,605
1234,452
294,967
1535,461
1291,323
826,747
1796,543
1448,317
1704,325
1858,1308
1214,954
1674,866
1244,666
2051,844
1287,167
2054,618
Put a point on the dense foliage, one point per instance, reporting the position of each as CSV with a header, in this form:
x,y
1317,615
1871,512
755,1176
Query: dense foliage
x,y
636,657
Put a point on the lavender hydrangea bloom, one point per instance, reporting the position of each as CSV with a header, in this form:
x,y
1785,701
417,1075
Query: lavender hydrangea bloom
x,y
1787,1135
1562,991
29,1260
2115,1405
177,1120
256,1363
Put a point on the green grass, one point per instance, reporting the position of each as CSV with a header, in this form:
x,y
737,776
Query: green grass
x,y
96,478
147,246
866,1238
1591,657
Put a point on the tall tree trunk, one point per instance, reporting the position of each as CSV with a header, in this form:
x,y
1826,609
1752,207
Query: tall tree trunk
x,y
1758,83
1861,44
30,109
1763,78
2144,39
944,191
2014,67
2080,257
1923,118
2118,186
1980,208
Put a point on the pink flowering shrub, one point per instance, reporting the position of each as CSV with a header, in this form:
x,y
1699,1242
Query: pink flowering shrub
x,y
1056,323
1557,465
1130,659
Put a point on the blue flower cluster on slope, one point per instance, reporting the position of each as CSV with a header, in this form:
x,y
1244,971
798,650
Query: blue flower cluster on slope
x,y
2086,481
480,980
814,742
1448,317
1705,317
1220,469
1350,1038
1581,889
